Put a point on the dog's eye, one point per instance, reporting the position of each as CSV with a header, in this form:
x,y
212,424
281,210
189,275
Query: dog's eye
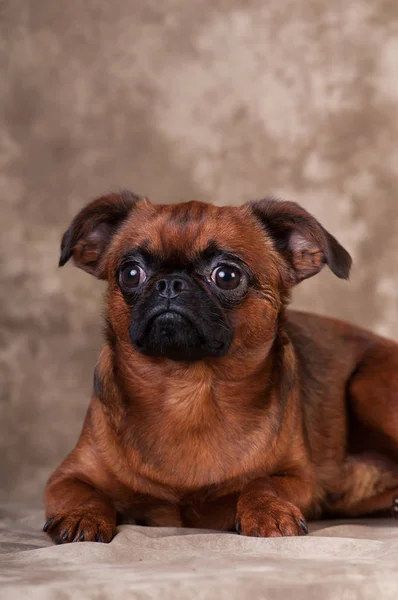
x,y
226,277
131,276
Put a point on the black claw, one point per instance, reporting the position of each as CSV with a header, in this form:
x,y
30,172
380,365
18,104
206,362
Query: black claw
x,y
64,536
237,527
81,537
303,526
99,538
48,523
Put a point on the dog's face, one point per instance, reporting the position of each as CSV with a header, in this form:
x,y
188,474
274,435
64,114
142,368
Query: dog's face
x,y
183,275
194,281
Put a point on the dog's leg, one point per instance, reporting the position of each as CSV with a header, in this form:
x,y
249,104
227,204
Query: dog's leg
x,y
274,506
373,399
369,485
385,502
77,512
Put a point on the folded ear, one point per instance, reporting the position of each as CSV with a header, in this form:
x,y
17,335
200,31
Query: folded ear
x,y
301,240
92,229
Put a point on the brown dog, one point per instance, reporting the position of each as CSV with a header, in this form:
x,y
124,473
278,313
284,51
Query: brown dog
x,y
213,407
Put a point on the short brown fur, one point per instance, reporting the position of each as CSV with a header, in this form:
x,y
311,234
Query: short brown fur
x,y
298,420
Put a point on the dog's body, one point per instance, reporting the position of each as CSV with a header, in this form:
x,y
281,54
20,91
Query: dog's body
x,y
213,406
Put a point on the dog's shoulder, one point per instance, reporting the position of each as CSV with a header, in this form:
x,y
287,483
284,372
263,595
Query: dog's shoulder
x,y
321,329
325,345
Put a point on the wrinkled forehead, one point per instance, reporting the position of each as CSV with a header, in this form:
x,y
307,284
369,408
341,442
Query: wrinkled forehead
x,y
184,232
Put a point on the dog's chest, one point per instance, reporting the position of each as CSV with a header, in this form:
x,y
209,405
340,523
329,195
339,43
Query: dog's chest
x,y
200,459
188,403
202,437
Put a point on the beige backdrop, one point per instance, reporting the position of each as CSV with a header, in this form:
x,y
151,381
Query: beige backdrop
x,y
219,100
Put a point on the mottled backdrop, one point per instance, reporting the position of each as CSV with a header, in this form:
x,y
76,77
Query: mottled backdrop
x,y
219,100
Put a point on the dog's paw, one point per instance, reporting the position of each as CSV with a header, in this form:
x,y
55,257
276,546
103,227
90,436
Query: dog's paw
x,y
270,517
79,526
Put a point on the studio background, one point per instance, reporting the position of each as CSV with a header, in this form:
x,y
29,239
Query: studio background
x,y
221,101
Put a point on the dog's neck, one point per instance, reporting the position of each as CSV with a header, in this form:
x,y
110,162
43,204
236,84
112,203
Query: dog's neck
x,y
212,411
191,393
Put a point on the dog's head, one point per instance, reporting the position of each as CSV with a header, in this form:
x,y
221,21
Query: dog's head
x,y
191,281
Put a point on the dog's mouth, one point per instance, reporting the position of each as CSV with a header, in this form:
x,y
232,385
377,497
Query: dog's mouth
x,y
167,321
169,315
173,333
170,322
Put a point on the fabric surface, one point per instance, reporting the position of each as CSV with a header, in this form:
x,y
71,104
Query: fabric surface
x,y
339,560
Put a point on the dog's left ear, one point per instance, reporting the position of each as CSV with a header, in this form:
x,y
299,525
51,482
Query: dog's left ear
x,y
91,231
302,241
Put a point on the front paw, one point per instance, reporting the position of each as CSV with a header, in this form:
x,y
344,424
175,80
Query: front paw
x,y
80,526
269,516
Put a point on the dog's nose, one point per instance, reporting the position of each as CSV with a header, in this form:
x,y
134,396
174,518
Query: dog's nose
x,y
170,287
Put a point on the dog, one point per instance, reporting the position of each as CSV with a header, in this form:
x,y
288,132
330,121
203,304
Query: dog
x,y
213,405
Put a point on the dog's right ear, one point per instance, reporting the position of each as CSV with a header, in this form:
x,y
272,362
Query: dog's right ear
x,y
91,231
